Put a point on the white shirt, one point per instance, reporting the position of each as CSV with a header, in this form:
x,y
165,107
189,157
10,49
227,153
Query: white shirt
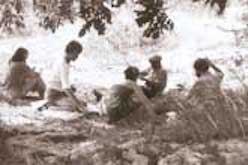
x,y
59,79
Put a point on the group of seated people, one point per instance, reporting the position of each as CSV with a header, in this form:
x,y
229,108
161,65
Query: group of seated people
x,y
121,100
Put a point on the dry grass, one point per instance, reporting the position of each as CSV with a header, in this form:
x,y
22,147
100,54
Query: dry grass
x,y
222,118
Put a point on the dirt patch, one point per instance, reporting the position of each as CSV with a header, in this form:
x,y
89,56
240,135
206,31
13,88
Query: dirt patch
x,y
136,139
6,156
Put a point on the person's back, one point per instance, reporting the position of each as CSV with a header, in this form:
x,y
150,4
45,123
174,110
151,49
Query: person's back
x,y
208,105
121,102
126,98
208,85
16,78
21,79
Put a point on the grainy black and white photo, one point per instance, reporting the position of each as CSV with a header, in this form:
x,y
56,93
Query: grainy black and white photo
x,y
123,82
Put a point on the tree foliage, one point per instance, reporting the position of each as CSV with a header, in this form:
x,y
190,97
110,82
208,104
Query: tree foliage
x,y
95,14
220,3
53,13
11,16
154,16
151,16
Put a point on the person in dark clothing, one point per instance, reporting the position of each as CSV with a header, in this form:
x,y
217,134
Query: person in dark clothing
x,y
155,78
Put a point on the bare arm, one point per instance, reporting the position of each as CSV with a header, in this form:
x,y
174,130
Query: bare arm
x,y
216,69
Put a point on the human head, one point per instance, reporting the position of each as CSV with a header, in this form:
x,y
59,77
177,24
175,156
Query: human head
x,y
155,61
131,73
201,66
72,50
20,55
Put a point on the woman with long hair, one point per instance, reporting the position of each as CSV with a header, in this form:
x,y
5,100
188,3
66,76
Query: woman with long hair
x,y
21,79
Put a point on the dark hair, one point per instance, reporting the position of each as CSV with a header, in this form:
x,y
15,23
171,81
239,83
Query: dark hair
x,y
131,73
201,65
155,59
74,47
20,55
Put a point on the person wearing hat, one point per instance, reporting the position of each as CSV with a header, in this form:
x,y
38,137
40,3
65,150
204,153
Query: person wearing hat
x,y
155,78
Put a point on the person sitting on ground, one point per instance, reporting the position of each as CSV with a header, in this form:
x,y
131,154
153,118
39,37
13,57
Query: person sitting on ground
x,y
59,91
208,105
156,79
21,79
126,98
208,83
